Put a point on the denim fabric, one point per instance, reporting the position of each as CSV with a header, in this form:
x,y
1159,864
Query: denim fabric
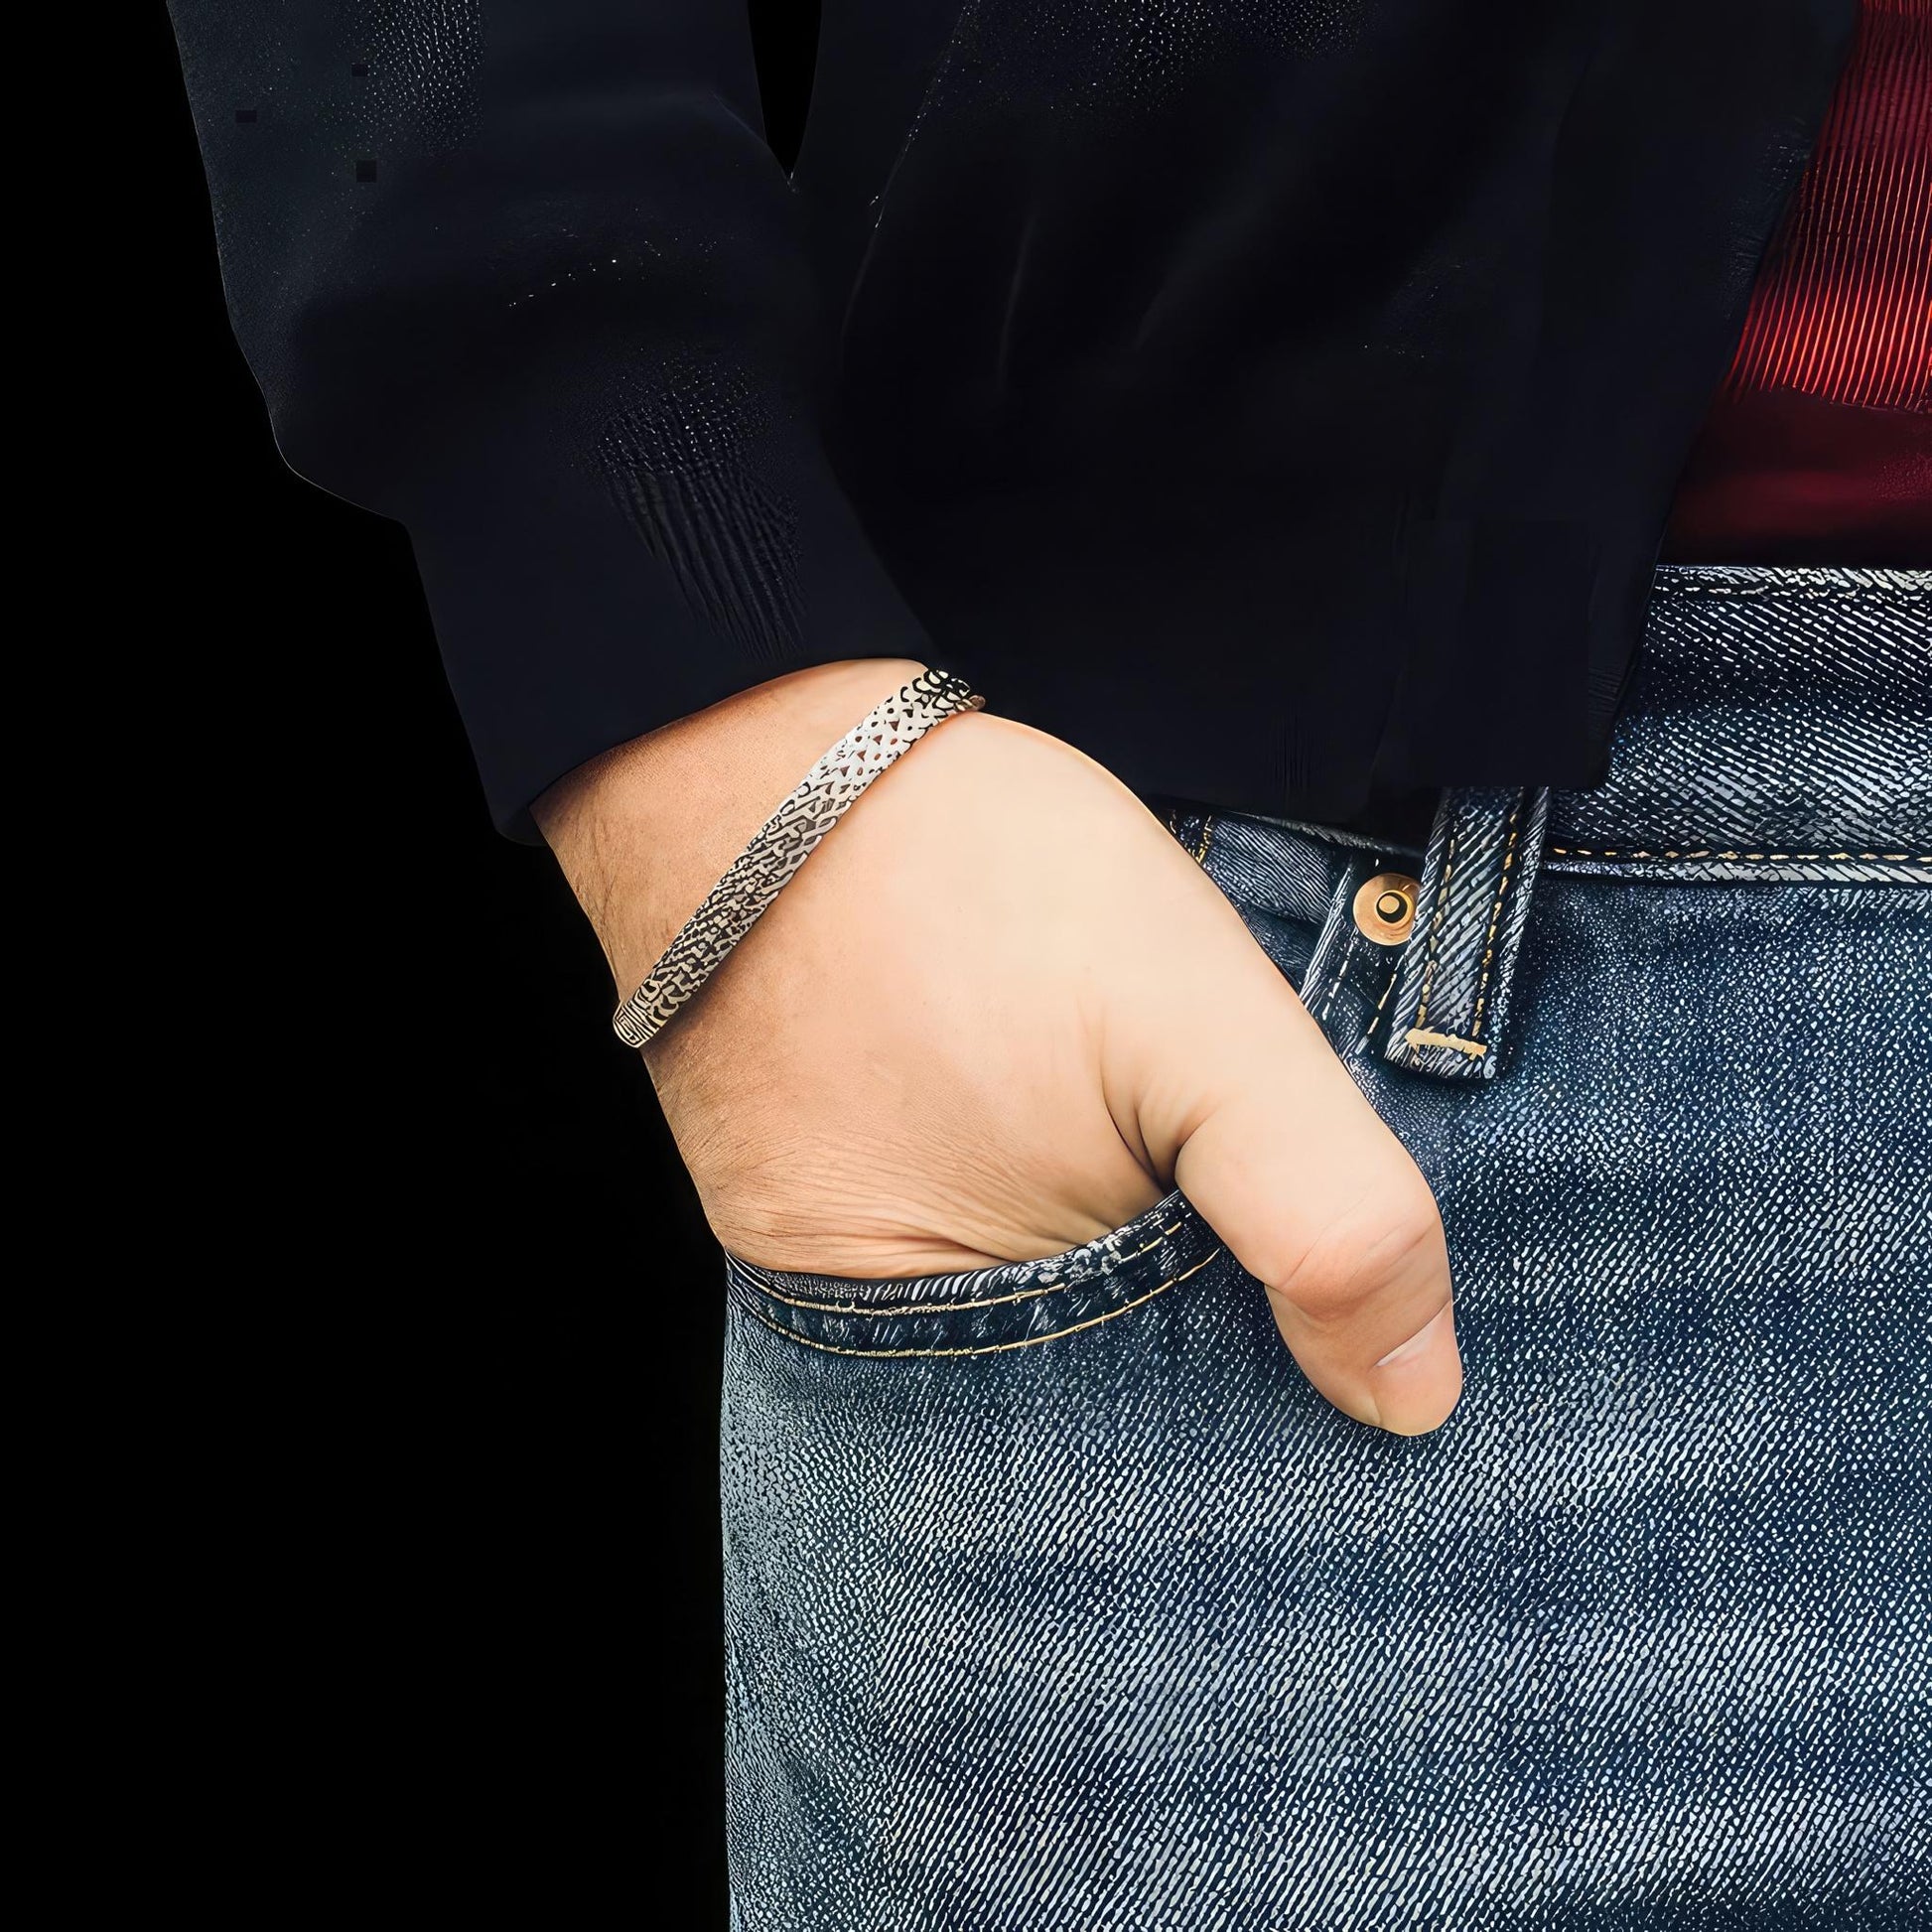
x,y
1454,981
1057,1600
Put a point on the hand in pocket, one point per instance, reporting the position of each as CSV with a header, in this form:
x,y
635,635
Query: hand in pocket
x,y
999,1012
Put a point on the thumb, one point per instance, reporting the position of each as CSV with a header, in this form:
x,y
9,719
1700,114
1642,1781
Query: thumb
x,y
1245,1102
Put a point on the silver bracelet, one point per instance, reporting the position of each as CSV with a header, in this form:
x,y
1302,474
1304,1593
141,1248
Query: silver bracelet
x,y
785,841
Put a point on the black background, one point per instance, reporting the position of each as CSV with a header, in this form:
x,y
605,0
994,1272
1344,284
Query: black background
x,y
442,1467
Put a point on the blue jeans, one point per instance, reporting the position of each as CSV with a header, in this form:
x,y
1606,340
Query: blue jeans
x,y
1057,1600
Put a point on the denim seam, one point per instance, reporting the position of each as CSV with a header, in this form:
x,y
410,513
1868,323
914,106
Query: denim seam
x,y
1747,858
1334,985
1435,925
1196,847
1368,1033
946,1307
1495,919
1815,593
990,1349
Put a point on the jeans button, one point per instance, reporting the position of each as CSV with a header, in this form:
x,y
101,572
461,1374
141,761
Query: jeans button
x,y
1385,907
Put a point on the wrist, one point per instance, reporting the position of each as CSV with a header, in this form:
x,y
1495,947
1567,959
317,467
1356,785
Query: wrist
x,y
645,830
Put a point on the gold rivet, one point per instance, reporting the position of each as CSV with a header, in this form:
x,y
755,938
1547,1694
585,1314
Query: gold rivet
x,y
1385,907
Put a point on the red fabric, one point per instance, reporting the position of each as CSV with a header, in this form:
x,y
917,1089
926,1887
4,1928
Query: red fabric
x,y
1818,447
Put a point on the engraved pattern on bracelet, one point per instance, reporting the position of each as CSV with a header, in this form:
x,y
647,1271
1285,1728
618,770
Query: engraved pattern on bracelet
x,y
785,841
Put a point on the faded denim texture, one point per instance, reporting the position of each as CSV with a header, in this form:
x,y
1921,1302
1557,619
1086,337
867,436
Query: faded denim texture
x,y
1057,1599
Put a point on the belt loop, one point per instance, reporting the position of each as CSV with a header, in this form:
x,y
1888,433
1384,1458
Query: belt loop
x,y
1452,991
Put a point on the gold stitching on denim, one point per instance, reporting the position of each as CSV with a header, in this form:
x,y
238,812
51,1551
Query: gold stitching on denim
x,y
1206,833
946,1307
1435,924
990,1349
1495,919
1334,986
1420,1037
1369,1030
1750,858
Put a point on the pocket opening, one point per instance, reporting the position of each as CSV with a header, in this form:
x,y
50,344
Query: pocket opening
x,y
985,1311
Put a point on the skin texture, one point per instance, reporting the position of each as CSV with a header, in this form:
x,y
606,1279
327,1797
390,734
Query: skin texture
x,y
996,1014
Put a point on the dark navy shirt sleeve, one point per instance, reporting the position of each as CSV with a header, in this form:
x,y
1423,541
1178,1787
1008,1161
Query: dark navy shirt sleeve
x,y
527,279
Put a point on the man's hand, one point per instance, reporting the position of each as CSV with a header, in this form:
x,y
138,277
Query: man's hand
x,y
996,1014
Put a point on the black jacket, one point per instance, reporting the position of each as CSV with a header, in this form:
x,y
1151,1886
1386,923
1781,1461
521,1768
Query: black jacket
x,y
1281,399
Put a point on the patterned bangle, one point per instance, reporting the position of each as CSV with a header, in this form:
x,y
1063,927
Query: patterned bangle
x,y
785,841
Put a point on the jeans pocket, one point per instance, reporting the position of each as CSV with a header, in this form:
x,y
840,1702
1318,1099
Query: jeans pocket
x,y
986,1310
1284,882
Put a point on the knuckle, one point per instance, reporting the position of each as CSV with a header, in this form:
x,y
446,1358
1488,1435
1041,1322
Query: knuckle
x,y
1385,1243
